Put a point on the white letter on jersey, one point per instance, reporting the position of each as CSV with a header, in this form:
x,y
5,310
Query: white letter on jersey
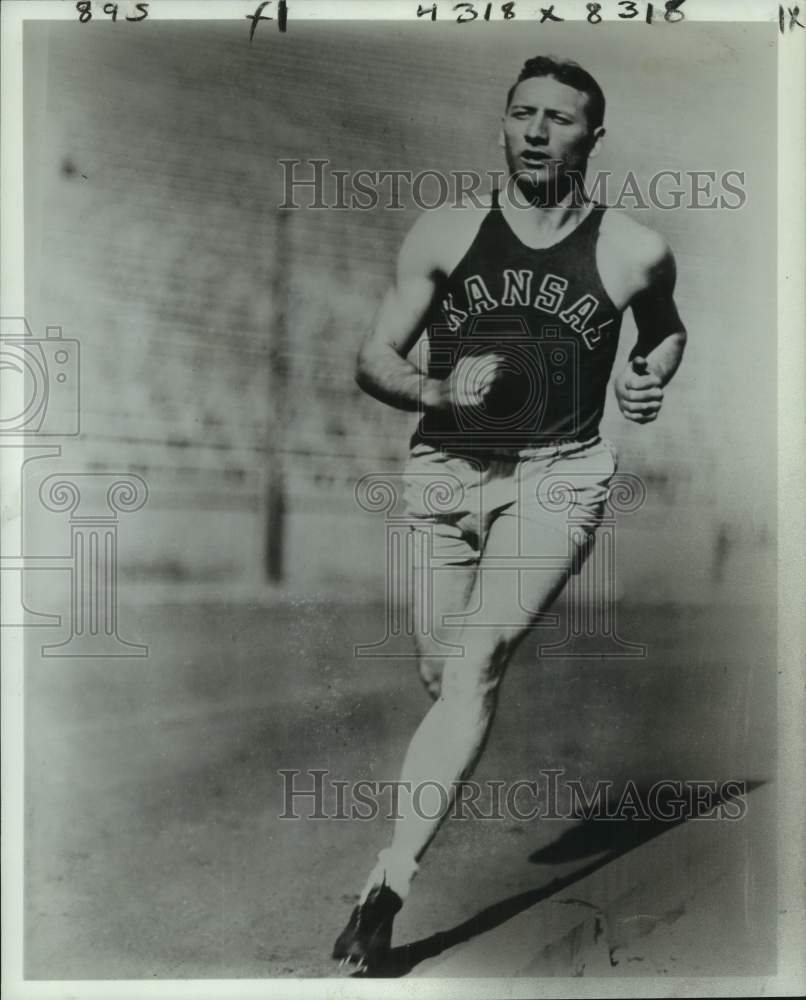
x,y
550,296
592,337
517,288
453,317
577,315
478,295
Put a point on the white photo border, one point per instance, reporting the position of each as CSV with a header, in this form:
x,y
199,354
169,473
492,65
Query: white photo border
x,y
791,977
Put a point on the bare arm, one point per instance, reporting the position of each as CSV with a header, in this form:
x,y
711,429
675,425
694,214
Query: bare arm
x,y
661,334
383,370
658,350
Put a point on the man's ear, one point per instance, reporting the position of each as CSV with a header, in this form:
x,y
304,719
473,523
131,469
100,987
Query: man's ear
x,y
501,140
598,136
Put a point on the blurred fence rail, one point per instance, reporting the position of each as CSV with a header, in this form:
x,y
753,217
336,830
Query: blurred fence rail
x,y
218,332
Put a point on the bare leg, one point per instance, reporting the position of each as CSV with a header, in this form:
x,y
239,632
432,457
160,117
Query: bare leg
x,y
438,593
448,742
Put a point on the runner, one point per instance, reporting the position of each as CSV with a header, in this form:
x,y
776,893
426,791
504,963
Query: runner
x,y
522,302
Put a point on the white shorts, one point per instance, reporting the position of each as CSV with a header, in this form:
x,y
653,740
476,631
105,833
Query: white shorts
x,y
556,493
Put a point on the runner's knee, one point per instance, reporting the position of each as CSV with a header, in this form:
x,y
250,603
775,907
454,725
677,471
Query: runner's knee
x,y
476,674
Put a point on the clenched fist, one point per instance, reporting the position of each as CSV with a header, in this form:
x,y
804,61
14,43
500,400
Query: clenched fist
x,y
472,380
639,392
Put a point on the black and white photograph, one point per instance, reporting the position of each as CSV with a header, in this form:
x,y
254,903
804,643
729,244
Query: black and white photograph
x,y
402,453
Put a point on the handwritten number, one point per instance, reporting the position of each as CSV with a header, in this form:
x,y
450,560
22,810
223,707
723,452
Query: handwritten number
x,y
111,8
469,13
673,13
84,8
594,17
632,9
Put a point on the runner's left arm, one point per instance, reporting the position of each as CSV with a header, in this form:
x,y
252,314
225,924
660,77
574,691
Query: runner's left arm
x,y
661,340
661,333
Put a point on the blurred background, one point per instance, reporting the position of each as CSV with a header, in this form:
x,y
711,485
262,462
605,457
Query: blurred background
x,y
217,339
219,333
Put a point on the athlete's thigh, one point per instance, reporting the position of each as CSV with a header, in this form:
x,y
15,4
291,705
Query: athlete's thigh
x,y
441,590
443,500
511,588
535,545
524,566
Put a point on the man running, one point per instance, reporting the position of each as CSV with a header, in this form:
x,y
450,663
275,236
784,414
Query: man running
x,y
522,302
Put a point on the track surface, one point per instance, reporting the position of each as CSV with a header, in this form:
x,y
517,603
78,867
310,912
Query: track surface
x,y
152,794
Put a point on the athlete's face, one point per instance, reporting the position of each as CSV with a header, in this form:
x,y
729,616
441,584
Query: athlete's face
x,y
546,133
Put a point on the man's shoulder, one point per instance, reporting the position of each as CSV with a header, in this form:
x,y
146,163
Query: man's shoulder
x,y
453,217
442,235
636,245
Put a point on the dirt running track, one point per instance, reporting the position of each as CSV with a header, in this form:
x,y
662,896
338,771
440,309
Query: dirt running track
x,y
152,794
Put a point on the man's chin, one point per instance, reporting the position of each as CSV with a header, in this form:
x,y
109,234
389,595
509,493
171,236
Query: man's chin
x,y
542,187
536,187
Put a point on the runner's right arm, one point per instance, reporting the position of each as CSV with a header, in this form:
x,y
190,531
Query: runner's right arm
x,y
382,369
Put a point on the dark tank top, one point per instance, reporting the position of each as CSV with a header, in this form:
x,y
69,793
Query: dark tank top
x,y
547,314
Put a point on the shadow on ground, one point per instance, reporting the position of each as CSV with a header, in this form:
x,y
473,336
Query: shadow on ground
x,y
599,838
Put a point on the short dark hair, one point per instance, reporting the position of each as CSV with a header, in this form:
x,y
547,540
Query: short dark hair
x,y
572,75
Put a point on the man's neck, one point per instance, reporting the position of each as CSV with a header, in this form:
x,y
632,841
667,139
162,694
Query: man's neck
x,y
539,215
